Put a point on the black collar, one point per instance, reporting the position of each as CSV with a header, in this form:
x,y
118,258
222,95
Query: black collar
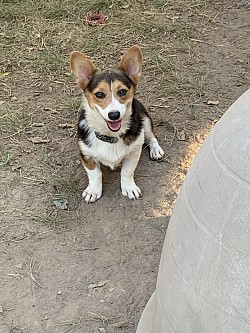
x,y
106,138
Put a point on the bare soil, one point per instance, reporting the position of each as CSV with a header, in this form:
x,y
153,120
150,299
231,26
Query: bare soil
x,y
92,267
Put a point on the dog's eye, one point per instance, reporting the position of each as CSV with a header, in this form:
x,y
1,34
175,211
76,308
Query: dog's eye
x,y
100,94
122,92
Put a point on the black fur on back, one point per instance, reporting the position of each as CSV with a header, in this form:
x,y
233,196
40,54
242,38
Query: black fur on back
x,y
83,131
138,114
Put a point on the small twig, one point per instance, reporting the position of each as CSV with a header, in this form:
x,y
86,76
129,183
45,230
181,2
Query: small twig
x,y
18,132
157,228
219,109
34,180
89,249
14,274
198,40
160,106
30,273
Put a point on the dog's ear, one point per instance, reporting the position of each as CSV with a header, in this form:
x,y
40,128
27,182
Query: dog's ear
x,y
131,63
82,68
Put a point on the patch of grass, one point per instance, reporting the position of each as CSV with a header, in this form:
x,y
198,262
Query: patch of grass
x,y
11,121
95,316
77,322
201,77
165,65
45,157
71,103
72,323
50,62
98,46
64,184
116,321
192,113
51,9
56,10
5,158
185,48
16,10
98,5
180,5
49,219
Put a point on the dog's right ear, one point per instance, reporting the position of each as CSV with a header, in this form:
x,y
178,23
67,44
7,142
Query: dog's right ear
x,y
82,68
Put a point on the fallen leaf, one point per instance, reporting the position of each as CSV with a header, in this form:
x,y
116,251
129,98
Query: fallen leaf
x,y
210,102
3,75
181,135
97,285
101,330
20,266
60,203
38,139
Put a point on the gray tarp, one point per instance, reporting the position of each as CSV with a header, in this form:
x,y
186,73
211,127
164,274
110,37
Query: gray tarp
x,y
203,282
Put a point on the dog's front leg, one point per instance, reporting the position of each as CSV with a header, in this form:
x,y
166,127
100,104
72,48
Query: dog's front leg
x,y
94,190
129,164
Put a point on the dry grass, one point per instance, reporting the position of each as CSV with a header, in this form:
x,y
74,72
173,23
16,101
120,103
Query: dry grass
x,y
115,321
37,38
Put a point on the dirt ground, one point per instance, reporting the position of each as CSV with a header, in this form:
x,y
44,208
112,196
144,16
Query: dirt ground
x,y
92,268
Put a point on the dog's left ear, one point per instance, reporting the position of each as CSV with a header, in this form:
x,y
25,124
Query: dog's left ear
x,y
131,63
82,68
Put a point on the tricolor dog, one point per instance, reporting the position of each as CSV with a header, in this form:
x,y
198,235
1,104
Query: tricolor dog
x,y
113,125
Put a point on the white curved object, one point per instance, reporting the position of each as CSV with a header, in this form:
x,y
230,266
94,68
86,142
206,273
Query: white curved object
x,y
203,282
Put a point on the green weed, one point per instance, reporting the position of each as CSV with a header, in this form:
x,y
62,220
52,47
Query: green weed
x,y
5,158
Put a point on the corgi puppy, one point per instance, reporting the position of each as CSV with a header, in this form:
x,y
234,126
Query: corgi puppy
x,y
113,125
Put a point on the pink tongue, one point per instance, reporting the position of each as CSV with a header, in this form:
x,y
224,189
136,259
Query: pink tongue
x,y
114,125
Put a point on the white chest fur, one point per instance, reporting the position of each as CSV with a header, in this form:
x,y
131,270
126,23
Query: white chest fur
x,y
110,154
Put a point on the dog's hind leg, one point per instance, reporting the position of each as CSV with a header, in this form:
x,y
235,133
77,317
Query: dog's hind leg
x,y
155,151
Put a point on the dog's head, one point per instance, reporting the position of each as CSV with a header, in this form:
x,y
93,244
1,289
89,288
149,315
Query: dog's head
x,y
109,92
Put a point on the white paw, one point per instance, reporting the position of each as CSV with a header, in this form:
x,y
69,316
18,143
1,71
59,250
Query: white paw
x,y
91,195
156,152
131,191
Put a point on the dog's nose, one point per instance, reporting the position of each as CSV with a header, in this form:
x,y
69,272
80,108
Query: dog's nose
x,y
114,115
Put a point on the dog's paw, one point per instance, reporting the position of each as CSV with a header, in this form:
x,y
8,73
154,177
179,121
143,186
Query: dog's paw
x,y
156,152
131,191
91,195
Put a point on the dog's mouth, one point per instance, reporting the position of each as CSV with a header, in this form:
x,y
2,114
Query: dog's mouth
x,y
114,126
